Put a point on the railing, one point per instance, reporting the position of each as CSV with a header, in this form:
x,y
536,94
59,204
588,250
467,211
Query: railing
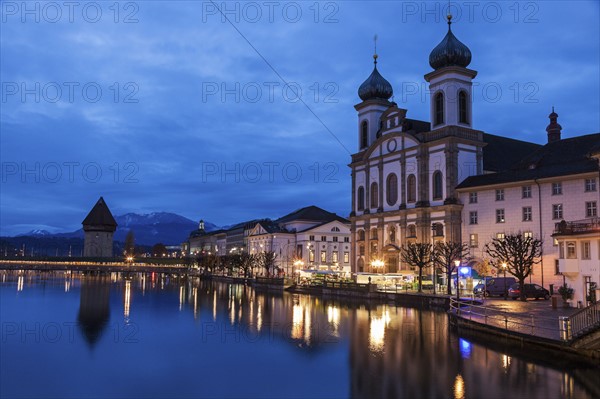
x,y
522,323
583,320
578,226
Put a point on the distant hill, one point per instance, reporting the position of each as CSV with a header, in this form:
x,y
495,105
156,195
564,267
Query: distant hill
x,y
148,229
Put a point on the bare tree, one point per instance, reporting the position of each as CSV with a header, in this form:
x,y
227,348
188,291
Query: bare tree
x,y
518,252
417,255
267,260
444,255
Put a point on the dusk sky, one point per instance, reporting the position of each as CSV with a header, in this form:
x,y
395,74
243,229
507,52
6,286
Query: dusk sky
x,y
169,106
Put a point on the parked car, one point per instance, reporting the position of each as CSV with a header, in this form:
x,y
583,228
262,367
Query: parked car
x,y
531,291
495,286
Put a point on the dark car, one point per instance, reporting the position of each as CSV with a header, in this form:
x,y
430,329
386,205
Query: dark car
x,y
531,291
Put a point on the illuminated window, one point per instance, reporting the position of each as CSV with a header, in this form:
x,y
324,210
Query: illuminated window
x,y
335,256
571,250
500,216
323,256
473,240
346,257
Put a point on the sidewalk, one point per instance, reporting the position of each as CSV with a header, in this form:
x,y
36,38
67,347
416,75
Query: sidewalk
x,y
536,318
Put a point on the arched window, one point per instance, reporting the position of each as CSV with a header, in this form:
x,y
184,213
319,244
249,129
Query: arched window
x,y
463,116
361,198
374,195
412,231
364,134
438,229
438,190
392,189
335,229
373,233
361,235
439,108
361,265
411,188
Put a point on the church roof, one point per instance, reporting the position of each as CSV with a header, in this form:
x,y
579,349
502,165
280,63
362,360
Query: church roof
x,y
450,52
559,158
100,216
376,86
502,153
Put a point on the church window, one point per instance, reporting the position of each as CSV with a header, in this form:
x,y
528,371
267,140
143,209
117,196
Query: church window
x,y
439,108
392,189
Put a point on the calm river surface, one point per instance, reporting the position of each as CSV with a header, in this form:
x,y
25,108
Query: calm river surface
x,y
68,335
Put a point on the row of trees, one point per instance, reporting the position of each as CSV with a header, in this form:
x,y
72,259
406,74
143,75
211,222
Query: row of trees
x,y
515,252
243,263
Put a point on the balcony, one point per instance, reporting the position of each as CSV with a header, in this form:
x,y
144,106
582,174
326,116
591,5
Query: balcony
x,y
577,227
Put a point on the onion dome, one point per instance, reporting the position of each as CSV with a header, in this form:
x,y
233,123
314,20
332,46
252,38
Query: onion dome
x,y
375,87
450,51
554,129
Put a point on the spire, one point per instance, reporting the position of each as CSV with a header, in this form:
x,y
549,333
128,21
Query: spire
x,y
553,129
99,218
450,51
375,87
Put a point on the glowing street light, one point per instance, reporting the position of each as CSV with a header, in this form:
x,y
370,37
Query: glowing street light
x,y
377,263
457,264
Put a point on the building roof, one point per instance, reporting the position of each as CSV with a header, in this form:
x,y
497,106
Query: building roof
x,y
450,52
100,216
502,153
559,158
376,86
311,213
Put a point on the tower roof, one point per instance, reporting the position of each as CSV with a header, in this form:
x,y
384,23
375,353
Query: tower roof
x,y
100,217
375,87
450,51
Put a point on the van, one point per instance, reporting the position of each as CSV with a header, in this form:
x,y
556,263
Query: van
x,y
495,286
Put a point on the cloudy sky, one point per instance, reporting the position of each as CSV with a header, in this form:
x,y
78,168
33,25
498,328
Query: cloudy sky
x,y
173,106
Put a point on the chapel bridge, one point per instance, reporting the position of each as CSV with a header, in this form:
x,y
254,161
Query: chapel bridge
x,y
87,264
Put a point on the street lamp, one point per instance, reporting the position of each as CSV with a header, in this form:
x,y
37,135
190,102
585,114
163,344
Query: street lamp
x,y
377,263
457,264
504,268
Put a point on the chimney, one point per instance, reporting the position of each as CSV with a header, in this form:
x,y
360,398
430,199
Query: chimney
x,y
553,128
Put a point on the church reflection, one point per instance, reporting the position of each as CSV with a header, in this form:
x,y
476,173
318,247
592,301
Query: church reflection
x,y
94,307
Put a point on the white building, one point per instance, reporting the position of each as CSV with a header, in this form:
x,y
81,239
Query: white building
x,y
579,257
309,238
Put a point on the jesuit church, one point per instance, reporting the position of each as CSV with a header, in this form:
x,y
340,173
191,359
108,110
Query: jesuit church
x,y
406,171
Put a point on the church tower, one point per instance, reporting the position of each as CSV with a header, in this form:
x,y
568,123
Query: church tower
x,y
375,93
99,227
450,84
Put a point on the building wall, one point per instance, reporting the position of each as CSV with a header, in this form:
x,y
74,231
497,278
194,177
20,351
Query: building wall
x,y
578,268
98,244
542,224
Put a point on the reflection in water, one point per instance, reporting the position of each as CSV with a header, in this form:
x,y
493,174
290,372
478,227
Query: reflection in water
x,y
377,350
94,310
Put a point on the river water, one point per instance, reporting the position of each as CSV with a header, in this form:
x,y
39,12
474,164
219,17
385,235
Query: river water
x,y
149,335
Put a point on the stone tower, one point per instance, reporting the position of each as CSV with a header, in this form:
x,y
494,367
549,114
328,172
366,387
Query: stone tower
x,y
99,227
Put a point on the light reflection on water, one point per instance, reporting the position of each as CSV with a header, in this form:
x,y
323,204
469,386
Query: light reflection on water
x,y
159,336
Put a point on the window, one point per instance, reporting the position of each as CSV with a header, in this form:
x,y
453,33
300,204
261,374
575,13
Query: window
x,y
374,194
361,198
364,135
335,257
500,236
462,107
311,238
392,189
500,195
557,211
373,234
361,235
556,267
412,231
526,191
590,185
528,234
411,188
361,250
438,191
527,214
472,198
586,252
591,209
335,239
561,250
335,229
311,255
439,108
473,217
299,251
438,229
323,238
347,239
323,256
571,250
473,240
555,242
346,257
556,188
500,216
